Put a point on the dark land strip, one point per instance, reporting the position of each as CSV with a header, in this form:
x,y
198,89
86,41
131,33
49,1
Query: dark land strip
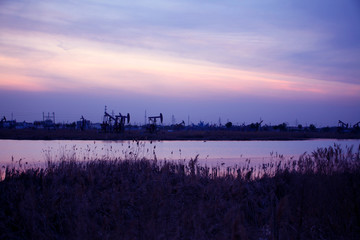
x,y
67,134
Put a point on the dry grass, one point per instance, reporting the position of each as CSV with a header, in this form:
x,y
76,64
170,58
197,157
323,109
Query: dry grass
x,y
314,197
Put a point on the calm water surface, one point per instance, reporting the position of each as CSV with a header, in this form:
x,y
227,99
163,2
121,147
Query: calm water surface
x,y
212,153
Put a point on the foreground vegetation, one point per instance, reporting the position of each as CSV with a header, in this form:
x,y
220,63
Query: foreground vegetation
x,y
314,197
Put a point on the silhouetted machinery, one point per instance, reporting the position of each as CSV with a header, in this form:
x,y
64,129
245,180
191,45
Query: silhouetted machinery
x,y
179,126
2,121
121,120
356,126
343,125
152,122
83,124
258,125
114,123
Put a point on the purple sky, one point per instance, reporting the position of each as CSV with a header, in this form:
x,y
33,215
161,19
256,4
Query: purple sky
x,y
278,60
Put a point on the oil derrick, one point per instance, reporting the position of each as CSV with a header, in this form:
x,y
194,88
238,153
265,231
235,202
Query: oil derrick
x,y
152,126
115,123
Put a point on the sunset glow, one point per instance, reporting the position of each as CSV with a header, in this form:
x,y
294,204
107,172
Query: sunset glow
x,y
136,49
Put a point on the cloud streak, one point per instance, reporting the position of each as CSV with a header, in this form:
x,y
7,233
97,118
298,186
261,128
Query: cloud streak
x,y
193,49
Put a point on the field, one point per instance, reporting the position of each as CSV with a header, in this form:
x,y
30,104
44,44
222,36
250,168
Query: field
x,y
314,197
217,134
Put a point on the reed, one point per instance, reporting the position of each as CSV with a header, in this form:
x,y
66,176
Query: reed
x,y
313,197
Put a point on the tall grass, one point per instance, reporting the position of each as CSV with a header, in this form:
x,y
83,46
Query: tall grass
x,y
314,197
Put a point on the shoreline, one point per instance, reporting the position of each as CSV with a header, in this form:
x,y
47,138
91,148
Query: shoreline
x,y
162,135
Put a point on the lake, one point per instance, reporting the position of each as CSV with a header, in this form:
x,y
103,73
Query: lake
x,y
212,153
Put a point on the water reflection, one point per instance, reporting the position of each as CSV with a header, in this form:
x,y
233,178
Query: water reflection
x,y
20,153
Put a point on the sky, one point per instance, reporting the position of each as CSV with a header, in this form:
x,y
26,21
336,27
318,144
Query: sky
x,y
214,61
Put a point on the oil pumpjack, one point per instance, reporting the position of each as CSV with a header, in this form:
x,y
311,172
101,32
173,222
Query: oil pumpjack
x,y
343,125
115,123
152,127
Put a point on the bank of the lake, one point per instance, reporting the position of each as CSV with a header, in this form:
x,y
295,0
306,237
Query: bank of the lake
x,y
218,134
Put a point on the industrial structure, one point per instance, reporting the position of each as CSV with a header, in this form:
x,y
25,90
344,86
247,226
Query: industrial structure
x,y
152,126
83,124
2,121
114,123
343,125
49,121
117,123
